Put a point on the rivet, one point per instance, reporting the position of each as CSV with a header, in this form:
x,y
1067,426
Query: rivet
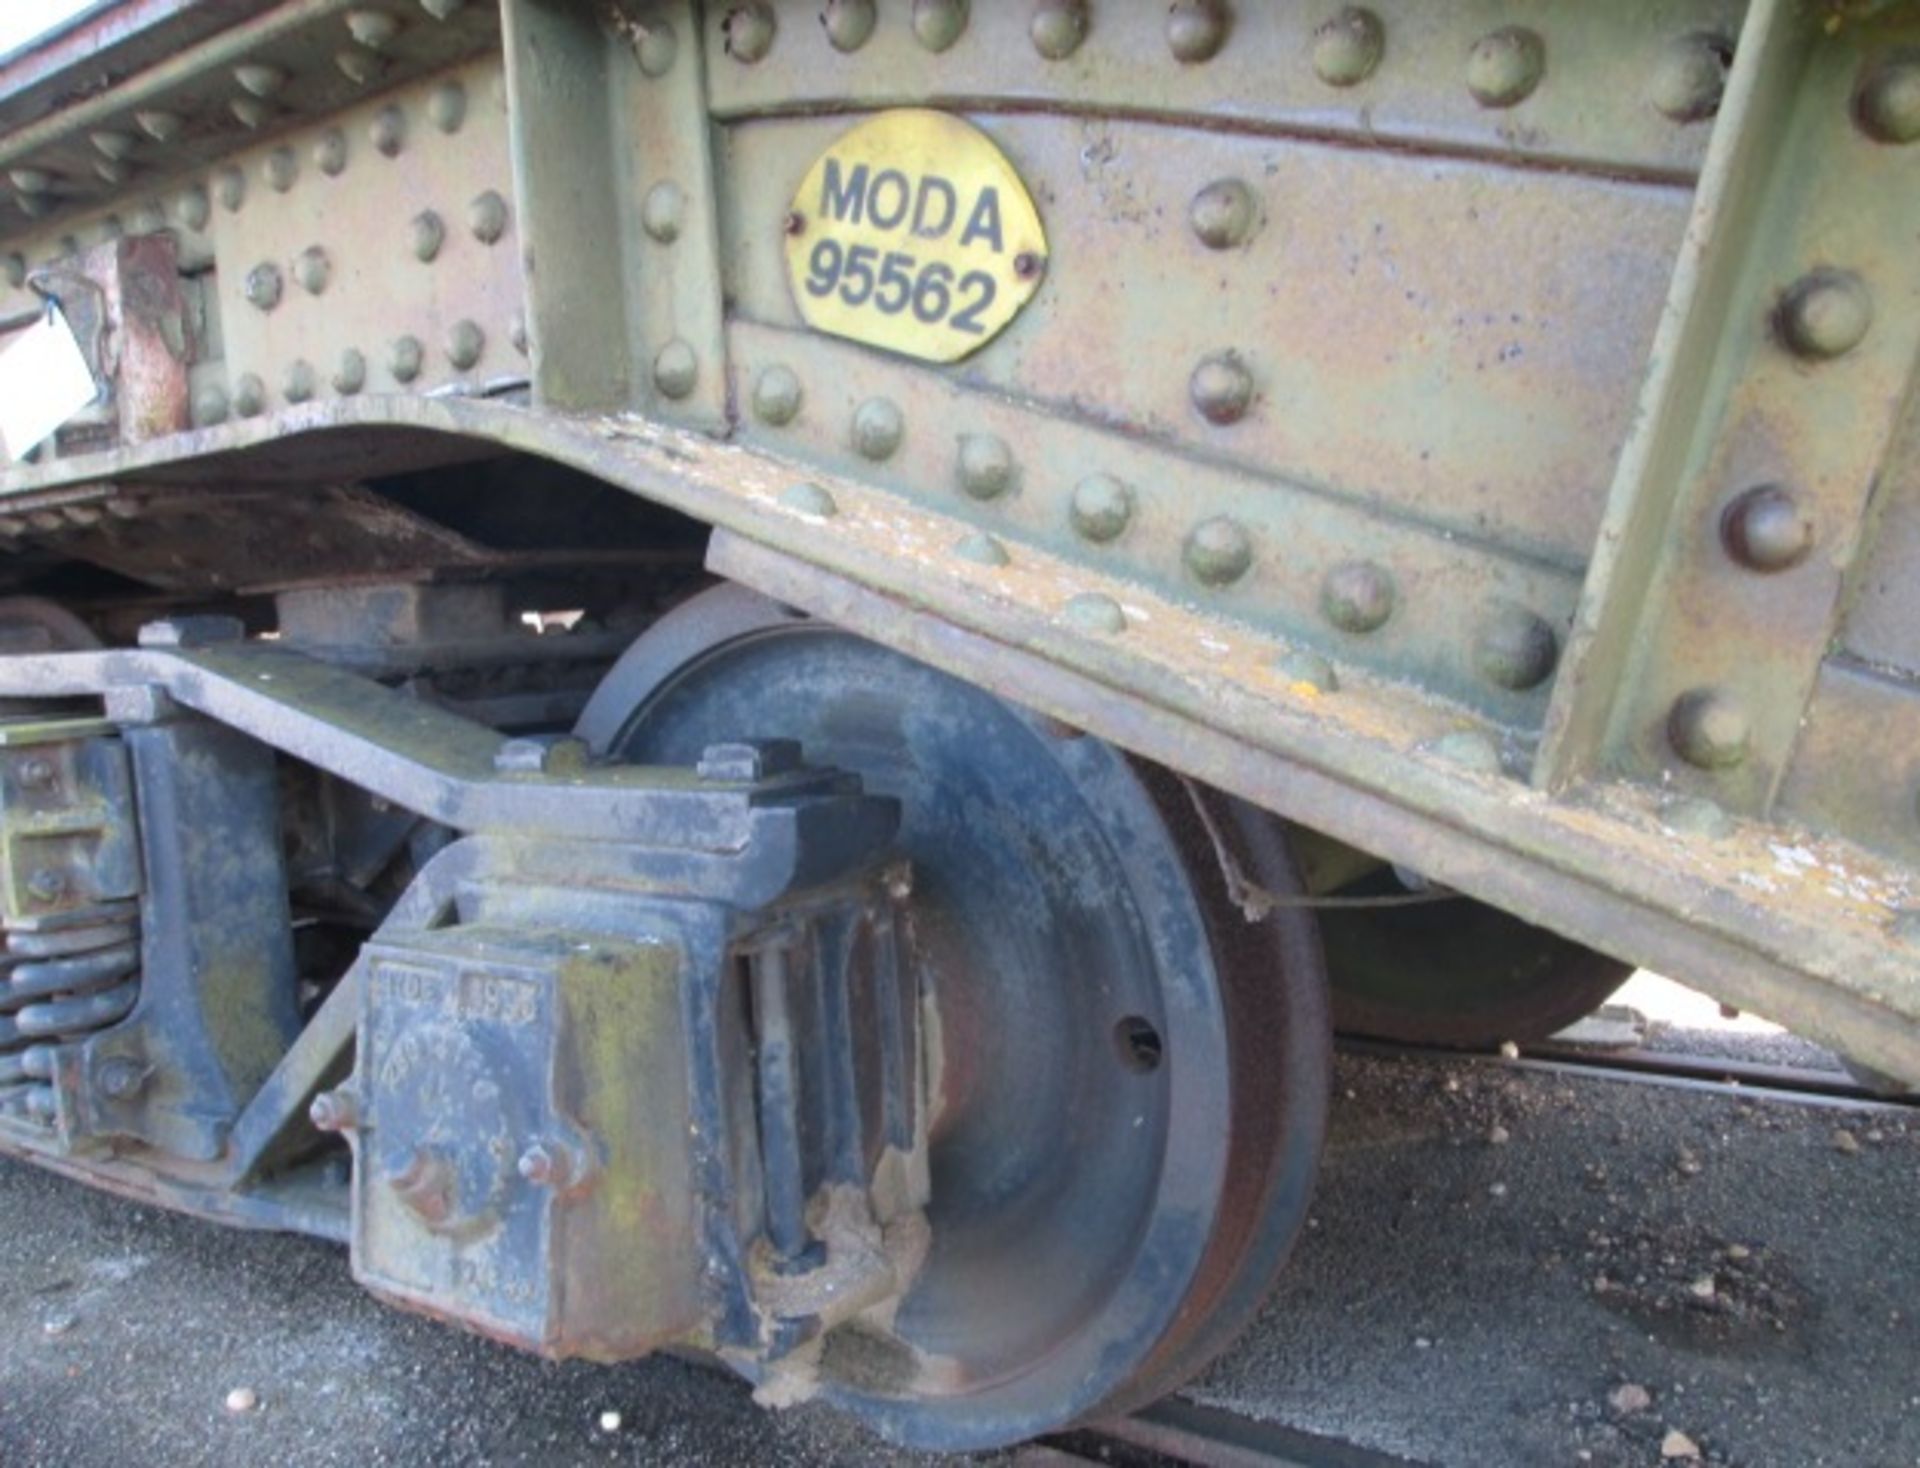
x,y
16,266
1505,67
230,187
358,65
1357,596
280,170
776,395
426,232
517,332
442,9
1197,29
1708,728
984,465
1689,77
1094,611
300,383
149,218
465,342
1222,388
389,131
1218,551
447,107
1222,214
809,499
1347,48
372,28
676,368
252,113
31,180
209,405
980,548
878,427
351,373
1887,106
655,46
1515,648
1824,314
487,217
1101,508
312,270
937,24
162,127
260,79
1765,529
115,145
1308,668
192,207
1058,27
111,171
405,358
1471,749
330,152
1692,815
263,286
746,31
662,210
249,395
848,23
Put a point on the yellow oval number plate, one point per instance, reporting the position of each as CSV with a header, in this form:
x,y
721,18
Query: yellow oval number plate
x,y
913,233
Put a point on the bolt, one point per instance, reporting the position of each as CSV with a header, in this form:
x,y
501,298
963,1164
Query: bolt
x,y
1766,530
746,31
260,79
465,342
1058,28
1515,648
38,773
809,499
1689,77
249,395
487,217
1101,508
848,23
937,24
425,234
655,47
47,884
676,369
1505,67
662,211
447,107
984,465
546,1165
372,28
330,153
1308,668
405,358
1708,728
230,187
281,170
1887,106
745,761
1218,551
425,1183
1824,314
121,1078
542,754
312,270
1093,611
980,548
300,383
1221,388
1197,29
1357,596
878,427
776,395
263,286
192,207
351,375
388,132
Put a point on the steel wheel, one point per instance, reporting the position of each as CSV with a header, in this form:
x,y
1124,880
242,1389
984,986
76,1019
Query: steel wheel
x,y
1132,1078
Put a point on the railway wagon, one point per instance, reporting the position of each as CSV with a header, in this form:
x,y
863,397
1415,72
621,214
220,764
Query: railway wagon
x,y
752,678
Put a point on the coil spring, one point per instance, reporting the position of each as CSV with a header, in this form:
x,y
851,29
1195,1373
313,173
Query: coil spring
x,y
56,987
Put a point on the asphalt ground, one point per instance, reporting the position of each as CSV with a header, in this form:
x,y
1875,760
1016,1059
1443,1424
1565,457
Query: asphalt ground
x,y
1503,1267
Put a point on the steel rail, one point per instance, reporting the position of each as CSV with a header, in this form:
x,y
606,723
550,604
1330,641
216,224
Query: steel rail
x,y
1178,1431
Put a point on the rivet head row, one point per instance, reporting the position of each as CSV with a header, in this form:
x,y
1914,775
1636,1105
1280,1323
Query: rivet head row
x,y
1222,214
1197,29
984,465
878,427
1347,48
1825,314
1708,729
662,212
1222,388
937,24
1689,77
1504,68
776,395
1765,529
1887,105
1058,27
848,23
1101,508
1515,648
746,31
676,369
1357,596
1218,551
465,344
